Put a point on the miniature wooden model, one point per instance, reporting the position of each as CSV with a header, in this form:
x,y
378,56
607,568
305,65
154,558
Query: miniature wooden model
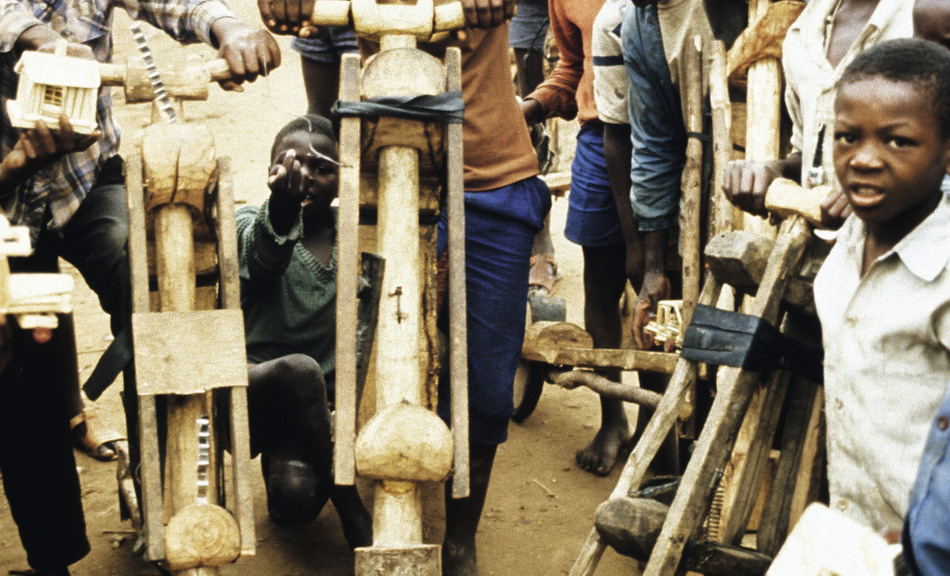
x,y
33,299
668,323
51,85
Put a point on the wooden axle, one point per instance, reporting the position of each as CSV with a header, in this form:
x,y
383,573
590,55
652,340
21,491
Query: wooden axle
x,y
189,82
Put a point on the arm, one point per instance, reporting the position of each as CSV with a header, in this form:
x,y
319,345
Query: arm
x,y
249,53
556,95
266,238
617,153
659,147
39,148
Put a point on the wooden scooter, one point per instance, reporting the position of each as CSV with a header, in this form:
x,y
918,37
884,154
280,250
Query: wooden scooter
x,y
187,326
390,169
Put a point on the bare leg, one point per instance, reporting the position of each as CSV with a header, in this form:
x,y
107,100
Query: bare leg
x,y
604,282
322,82
462,515
290,426
544,271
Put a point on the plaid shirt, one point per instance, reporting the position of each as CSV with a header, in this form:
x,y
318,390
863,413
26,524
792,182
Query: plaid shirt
x,y
64,185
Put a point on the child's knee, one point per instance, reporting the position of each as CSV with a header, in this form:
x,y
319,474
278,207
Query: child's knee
x,y
300,378
295,492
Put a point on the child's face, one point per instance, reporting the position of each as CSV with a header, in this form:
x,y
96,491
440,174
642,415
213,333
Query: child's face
x,y
889,154
320,171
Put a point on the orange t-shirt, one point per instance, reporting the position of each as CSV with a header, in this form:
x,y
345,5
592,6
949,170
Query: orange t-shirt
x,y
569,89
497,150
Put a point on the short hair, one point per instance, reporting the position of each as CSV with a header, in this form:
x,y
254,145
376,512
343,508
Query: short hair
x,y
310,124
924,64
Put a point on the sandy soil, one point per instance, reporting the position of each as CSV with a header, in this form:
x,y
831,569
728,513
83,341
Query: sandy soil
x,y
540,505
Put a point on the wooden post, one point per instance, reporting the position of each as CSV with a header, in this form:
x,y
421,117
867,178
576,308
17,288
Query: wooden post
x,y
692,182
722,141
763,100
347,277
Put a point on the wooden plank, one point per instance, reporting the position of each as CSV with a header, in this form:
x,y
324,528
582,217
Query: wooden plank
x,y
151,476
415,560
458,306
692,180
138,247
659,426
719,433
347,277
206,345
722,210
743,475
243,501
175,257
639,360
775,525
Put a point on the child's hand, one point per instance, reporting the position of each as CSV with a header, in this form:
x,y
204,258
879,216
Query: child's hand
x,y
39,148
656,287
289,179
835,208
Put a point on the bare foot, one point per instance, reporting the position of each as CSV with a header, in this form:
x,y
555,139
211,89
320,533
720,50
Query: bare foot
x,y
600,456
458,560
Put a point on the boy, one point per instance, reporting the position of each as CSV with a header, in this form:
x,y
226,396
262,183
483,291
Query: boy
x,y
592,213
882,293
658,133
819,45
288,295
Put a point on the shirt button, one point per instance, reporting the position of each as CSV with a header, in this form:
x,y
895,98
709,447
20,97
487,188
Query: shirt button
x,y
838,403
850,320
842,504
943,422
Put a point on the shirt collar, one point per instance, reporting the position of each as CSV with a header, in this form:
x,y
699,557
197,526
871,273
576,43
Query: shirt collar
x,y
925,250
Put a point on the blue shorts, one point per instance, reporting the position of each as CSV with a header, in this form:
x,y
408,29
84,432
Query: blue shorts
x,y
328,45
500,226
592,219
527,29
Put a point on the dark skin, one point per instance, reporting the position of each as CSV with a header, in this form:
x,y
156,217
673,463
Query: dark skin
x,y
890,157
303,175
39,148
745,182
303,182
932,21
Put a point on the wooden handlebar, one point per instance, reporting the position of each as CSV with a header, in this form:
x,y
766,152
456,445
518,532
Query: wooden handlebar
x,y
786,198
210,71
373,19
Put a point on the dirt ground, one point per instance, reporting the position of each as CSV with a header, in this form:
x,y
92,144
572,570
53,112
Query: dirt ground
x,y
540,504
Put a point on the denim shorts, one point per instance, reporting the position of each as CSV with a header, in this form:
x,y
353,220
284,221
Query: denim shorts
x,y
592,219
527,29
328,45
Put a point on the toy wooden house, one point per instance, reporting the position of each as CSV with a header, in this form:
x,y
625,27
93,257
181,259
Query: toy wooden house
x,y
51,85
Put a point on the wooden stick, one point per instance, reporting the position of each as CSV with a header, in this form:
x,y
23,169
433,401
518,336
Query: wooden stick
x,y
659,426
722,141
692,183
719,433
458,307
347,278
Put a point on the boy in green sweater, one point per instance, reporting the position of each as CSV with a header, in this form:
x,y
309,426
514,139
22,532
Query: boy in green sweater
x,y
288,295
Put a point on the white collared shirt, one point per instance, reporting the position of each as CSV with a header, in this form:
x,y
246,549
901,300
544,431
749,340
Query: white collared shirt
x,y
810,78
887,361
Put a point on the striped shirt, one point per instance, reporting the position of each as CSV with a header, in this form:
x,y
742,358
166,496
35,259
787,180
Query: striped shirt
x,y
63,186
610,76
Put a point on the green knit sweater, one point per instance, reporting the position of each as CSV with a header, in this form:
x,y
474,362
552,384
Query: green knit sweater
x,y
288,297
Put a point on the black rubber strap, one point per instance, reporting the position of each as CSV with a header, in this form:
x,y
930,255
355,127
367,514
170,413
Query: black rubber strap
x,y
114,360
445,108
